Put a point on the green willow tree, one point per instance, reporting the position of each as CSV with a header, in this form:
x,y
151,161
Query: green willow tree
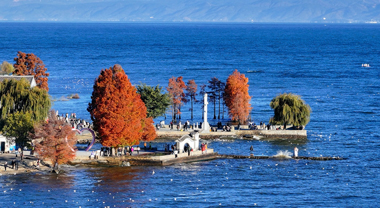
x,y
19,125
155,100
17,96
290,109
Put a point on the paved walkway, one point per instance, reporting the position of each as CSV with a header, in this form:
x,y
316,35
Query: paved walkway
x,y
28,164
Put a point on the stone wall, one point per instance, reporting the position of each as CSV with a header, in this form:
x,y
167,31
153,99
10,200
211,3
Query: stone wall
x,y
274,134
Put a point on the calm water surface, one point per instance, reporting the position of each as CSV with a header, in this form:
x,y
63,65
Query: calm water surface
x,y
322,63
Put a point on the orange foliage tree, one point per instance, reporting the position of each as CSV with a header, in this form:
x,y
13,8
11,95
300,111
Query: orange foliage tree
x,y
55,140
117,111
30,64
175,89
191,89
236,97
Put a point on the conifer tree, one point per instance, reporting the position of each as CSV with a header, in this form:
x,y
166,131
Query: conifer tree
x,y
290,109
55,140
175,89
117,111
213,86
155,100
202,91
237,97
191,89
30,64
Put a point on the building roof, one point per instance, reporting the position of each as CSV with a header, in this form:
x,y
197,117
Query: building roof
x,y
30,78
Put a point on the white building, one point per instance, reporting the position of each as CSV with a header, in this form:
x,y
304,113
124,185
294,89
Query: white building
x,y
7,144
30,78
191,140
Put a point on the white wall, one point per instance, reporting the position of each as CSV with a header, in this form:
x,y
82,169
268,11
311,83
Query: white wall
x,y
9,143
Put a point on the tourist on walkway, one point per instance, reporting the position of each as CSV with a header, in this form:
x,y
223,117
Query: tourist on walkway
x,y
5,166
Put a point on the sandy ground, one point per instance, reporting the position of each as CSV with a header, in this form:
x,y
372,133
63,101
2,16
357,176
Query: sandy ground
x,y
27,165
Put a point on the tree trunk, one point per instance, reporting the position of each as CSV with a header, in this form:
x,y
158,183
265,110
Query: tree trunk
x,y
179,115
173,116
214,107
203,106
219,106
223,112
192,107
174,113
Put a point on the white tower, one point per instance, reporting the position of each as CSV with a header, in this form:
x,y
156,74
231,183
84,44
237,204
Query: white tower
x,y
205,125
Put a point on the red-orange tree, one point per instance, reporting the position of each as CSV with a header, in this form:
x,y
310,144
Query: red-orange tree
x,y
30,64
117,111
236,97
175,89
55,140
191,89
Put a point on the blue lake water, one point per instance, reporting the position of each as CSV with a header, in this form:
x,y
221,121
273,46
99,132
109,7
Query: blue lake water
x,y
322,63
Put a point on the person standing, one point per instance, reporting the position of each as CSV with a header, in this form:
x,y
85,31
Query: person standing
x,y
295,152
5,166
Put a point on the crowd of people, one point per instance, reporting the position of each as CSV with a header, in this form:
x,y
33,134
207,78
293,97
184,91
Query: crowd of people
x,y
74,121
186,126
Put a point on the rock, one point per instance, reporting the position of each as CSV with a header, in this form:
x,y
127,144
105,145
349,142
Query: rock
x,y
55,171
125,164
